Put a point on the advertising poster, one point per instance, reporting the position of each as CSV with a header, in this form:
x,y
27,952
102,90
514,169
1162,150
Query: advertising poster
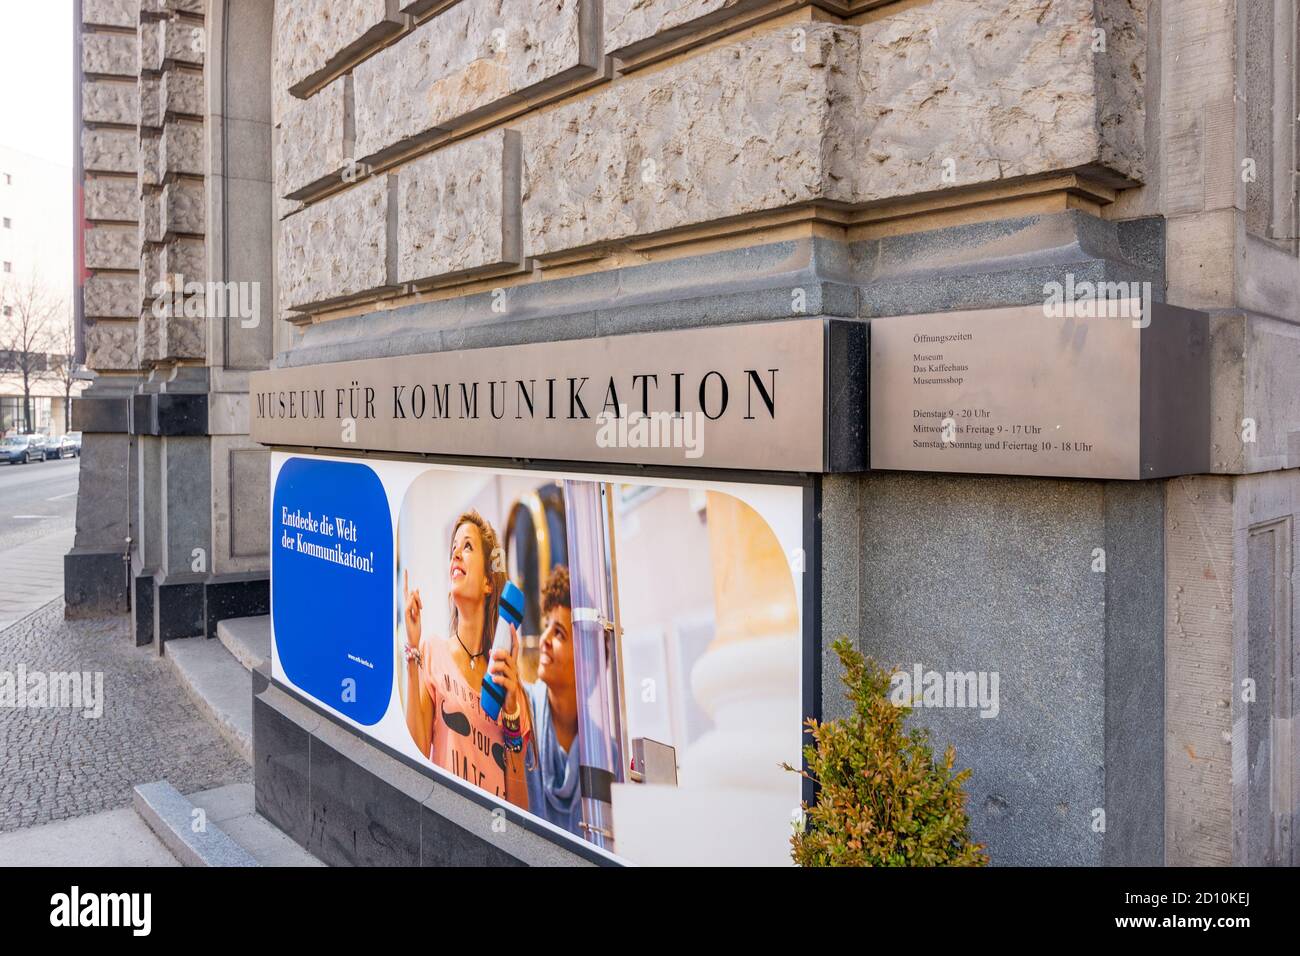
x,y
620,659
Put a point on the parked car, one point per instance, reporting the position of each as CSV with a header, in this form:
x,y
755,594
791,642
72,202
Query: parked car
x,y
22,449
51,446
70,445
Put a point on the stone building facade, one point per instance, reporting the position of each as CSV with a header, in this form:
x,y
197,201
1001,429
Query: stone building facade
x,y
415,177
177,214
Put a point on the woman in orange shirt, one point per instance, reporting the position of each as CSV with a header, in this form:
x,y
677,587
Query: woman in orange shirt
x,y
445,675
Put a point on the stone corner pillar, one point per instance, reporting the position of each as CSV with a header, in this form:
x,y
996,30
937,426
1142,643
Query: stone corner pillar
x,y
95,571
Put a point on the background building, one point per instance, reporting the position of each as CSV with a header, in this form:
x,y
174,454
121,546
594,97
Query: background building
x,y
35,290
35,209
412,177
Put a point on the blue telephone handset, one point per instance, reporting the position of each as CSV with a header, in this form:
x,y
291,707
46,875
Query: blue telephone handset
x,y
511,611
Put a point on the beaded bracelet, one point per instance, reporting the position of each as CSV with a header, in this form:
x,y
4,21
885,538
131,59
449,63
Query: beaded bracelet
x,y
514,739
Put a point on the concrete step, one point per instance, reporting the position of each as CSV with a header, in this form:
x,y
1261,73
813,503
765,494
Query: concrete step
x,y
233,809
188,835
248,638
218,683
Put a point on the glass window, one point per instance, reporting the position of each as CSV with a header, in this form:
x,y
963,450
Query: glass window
x,y
11,413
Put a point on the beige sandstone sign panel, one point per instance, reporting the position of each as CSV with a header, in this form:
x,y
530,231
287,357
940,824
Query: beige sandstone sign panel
x,y
1020,391
745,397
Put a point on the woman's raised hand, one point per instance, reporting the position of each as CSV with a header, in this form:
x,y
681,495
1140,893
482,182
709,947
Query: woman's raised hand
x,y
411,599
504,670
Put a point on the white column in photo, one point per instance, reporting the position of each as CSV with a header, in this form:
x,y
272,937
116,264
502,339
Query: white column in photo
x,y
735,803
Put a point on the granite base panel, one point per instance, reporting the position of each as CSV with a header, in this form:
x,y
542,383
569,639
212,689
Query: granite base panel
x,y
168,611
350,803
97,414
1010,563
142,629
235,597
94,584
178,610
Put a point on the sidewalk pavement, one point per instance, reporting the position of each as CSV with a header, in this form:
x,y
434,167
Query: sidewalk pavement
x,y
56,764
31,575
123,838
111,838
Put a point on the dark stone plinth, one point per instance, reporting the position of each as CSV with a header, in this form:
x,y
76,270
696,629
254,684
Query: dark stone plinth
x,y
170,414
358,818
188,606
142,616
281,761
94,414
94,584
352,802
178,609
239,595
443,843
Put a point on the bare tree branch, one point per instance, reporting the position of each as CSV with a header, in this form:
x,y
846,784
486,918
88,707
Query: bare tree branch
x,y
63,368
30,315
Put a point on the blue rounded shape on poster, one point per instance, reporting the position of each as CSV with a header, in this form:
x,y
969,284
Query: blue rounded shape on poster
x,y
332,584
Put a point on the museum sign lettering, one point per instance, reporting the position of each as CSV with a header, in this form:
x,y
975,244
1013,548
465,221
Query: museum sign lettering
x,y
750,397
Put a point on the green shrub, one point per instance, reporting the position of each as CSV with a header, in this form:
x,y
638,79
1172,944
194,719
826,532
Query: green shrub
x,y
882,800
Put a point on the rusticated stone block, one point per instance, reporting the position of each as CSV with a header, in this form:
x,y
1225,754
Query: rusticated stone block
x,y
311,144
110,346
109,54
111,199
979,92
1121,85
181,149
110,13
151,109
947,93
182,93
150,170
150,275
312,37
182,336
631,22
338,247
735,130
146,343
110,296
108,150
109,101
185,257
458,208
151,218
184,6
183,41
183,204
464,61
150,49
